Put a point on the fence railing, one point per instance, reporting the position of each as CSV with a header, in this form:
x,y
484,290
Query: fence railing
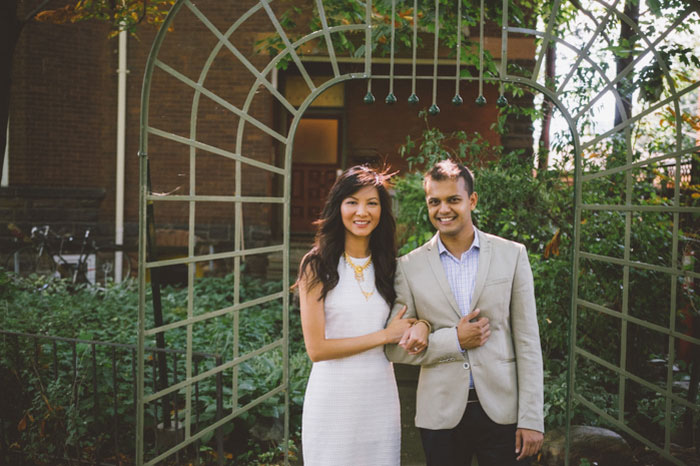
x,y
74,399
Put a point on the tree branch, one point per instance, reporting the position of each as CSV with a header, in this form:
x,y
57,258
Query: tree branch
x,y
145,6
36,10
694,5
580,8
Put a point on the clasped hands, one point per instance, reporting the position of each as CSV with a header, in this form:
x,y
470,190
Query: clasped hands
x,y
472,331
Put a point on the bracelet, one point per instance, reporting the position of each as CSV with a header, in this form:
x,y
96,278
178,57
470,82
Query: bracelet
x,y
430,327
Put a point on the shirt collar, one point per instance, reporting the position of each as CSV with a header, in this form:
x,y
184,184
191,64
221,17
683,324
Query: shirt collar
x,y
475,244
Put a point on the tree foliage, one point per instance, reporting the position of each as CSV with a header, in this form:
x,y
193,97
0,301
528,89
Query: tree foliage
x,y
126,15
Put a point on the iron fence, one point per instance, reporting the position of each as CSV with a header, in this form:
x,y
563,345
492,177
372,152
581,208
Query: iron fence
x,y
74,400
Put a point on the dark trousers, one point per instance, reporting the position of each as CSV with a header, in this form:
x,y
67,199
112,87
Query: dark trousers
x,y
493,444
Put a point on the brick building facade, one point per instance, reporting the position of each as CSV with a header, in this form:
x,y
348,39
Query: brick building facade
x,y
62,136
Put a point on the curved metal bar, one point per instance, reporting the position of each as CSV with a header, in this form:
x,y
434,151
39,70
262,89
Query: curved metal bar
x,y
142,235
545,42
237,187
586,48
248,65
221,101
326,33
312,35
594,65
273,63
148,74
630,67
673,98
288,45
214,52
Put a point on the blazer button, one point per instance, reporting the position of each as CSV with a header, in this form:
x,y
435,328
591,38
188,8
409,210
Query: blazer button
x,y
466,365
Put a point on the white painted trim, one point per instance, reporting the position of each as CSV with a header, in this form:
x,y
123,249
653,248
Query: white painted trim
x,y
122,72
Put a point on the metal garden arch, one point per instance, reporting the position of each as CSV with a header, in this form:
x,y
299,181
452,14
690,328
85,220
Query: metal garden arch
x,y
262,80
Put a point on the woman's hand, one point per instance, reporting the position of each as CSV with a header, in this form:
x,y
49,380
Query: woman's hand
x,y
415,338
397,326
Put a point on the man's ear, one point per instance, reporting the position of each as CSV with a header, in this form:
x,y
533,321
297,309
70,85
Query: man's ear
x,y
473,200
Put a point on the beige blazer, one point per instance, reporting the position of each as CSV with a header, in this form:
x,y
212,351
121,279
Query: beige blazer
x,y
507,368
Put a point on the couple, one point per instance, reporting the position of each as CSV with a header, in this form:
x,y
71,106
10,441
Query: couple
x,y
462,307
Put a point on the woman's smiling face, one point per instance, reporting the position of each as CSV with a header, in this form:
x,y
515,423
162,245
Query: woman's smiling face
x,y
361,212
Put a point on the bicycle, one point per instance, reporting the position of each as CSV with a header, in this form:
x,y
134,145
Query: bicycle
x,y
48,256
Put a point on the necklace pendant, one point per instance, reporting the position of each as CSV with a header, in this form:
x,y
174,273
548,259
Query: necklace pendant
x,y
360,275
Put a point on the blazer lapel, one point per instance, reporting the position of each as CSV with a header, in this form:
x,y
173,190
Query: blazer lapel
x,y
482,270
439,273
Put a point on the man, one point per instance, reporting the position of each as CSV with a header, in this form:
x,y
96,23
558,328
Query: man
x,y
480,389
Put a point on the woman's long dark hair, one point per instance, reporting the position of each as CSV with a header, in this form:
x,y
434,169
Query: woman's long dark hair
x,y
320,264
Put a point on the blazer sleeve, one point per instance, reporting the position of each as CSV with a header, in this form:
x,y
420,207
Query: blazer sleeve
x,y
442,345
526,343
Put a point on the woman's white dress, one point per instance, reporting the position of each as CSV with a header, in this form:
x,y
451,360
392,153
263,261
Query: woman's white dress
x,y
351,408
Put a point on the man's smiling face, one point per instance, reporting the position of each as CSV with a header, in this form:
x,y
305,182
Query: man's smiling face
x,y
450,206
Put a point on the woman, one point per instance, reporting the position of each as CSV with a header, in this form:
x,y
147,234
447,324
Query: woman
x,y
351,408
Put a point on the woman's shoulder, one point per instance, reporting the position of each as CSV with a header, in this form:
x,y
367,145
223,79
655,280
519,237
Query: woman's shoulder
x,y
311,256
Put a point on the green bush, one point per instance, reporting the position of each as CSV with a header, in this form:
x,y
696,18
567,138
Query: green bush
x,y
50,408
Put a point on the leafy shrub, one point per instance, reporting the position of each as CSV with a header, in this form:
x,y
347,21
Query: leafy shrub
x,y
52,409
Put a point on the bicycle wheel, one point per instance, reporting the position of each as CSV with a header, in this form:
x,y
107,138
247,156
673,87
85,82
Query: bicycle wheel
x,y
26,261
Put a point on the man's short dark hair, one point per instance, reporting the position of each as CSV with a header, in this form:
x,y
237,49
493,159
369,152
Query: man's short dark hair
x,y
448,169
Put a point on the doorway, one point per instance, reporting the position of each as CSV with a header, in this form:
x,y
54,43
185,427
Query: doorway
x,y
314,170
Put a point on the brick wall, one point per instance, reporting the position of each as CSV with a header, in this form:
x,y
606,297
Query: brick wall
x,y
382,128
66,209
63,120
62,106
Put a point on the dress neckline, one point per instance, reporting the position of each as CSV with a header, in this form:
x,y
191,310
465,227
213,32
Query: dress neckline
x,y
365,259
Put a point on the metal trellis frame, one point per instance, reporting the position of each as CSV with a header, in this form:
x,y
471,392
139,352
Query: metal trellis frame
x,y
583,142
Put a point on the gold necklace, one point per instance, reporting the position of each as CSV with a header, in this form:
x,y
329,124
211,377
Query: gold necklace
x,y
359,274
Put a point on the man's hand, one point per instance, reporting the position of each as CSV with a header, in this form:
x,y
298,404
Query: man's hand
x,y
415,339
473,334
527,442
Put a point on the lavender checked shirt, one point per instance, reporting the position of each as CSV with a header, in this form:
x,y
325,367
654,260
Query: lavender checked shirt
x,y
461,275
